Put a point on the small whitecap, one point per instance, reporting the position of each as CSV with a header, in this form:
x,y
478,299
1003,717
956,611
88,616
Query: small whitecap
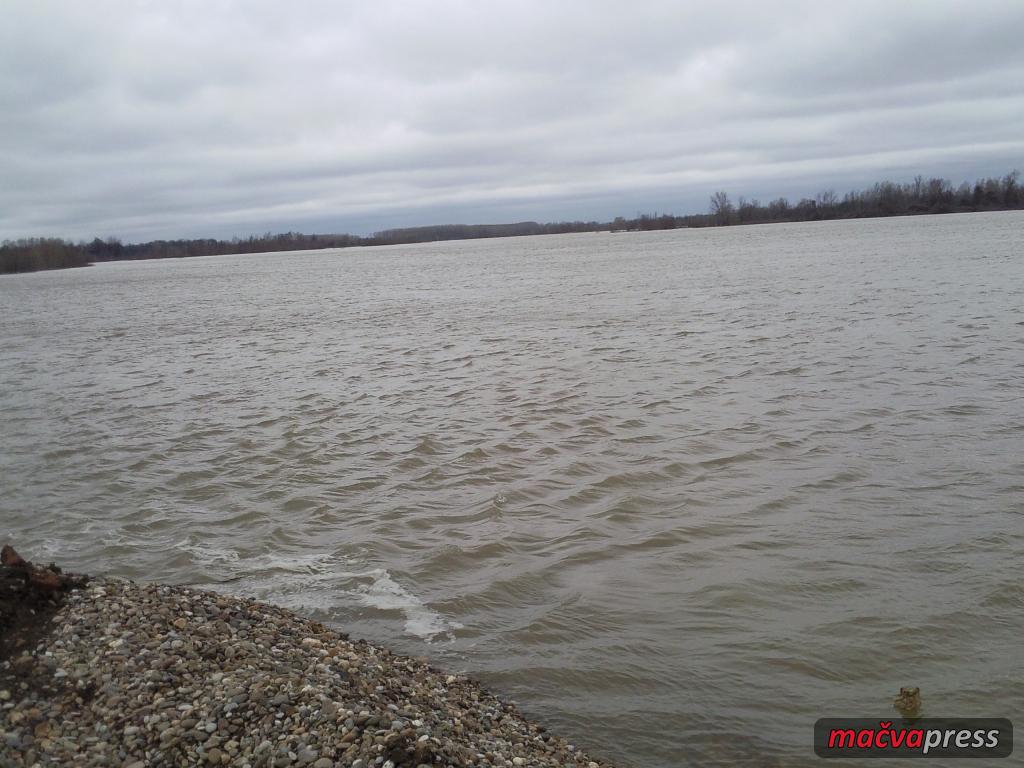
x,y
386,594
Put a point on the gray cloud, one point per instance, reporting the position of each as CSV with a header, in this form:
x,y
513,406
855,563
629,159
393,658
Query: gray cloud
x,y
151,119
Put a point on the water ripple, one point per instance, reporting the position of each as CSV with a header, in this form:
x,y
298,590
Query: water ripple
x,y
678,493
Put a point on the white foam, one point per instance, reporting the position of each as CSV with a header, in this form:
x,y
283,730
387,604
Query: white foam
x,y
305,580
384,593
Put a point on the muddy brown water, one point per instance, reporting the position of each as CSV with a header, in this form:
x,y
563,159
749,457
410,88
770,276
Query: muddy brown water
x,y
678,494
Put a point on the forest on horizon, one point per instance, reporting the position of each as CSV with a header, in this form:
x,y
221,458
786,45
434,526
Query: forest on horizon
x,y
887,198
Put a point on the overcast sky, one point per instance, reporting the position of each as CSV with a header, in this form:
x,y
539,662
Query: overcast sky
x,y
166,119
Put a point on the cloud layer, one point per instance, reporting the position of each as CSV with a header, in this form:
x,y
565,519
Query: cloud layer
x,y
160,119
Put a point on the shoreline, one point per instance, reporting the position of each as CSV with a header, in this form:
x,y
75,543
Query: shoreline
x,y
603,228
105,672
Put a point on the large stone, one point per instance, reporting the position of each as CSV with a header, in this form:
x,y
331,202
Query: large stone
x,y
10,558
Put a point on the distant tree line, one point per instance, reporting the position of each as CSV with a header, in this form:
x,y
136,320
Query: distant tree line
x,y
35,253
885,198
51,253
470,231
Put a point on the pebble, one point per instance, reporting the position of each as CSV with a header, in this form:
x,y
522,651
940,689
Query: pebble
x,y
253,685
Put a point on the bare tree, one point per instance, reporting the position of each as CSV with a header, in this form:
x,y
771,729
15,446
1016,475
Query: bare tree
x,y
1011,189
746,210
827,199
721,208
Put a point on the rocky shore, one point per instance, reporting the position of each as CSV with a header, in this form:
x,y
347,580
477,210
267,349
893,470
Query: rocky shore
x,y
99,672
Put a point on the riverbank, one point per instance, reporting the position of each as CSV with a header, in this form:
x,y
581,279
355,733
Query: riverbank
x,y
883,200
102,672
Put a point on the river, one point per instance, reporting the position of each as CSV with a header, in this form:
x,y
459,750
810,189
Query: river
x,y
678,494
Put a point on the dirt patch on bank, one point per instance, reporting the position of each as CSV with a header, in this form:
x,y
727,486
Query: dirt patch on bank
x,y
30,595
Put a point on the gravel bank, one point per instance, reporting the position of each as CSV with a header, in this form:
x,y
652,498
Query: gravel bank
x,y
148,675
